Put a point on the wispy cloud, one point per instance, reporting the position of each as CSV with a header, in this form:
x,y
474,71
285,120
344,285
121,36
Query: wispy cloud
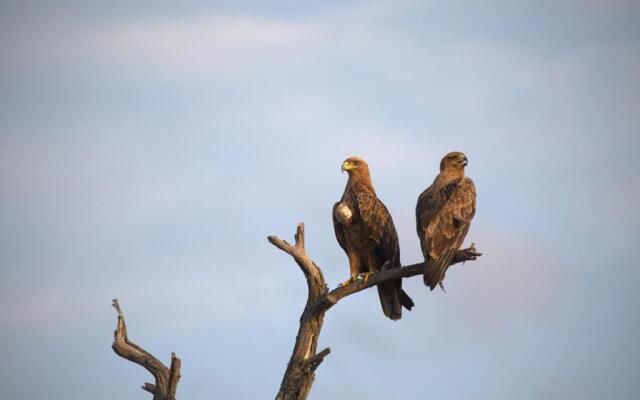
x,y
164,145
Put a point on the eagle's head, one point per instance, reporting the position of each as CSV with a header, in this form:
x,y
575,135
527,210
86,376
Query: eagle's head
x,y
355,166
455,160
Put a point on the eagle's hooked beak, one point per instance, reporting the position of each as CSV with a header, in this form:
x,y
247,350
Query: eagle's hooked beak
x,y
345,166
465,162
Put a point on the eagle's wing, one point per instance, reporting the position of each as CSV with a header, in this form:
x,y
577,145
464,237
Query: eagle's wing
x,y
373,213
428,205
384,238
446,218
338,228
379,227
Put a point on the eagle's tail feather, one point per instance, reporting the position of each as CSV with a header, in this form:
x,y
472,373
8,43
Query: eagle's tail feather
x,y
435,269
390,300
405,300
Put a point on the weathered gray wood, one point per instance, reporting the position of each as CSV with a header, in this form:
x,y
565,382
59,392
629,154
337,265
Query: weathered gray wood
x,y
305,359
166,378
300,373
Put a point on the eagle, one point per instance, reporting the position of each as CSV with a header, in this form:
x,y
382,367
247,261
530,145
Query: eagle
x,y
365,231
443,217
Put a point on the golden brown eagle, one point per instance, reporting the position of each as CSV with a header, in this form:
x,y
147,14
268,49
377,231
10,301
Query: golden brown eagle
x,y
443,216
365,231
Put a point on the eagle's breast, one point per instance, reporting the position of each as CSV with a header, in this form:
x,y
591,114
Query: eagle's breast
x,y
344,213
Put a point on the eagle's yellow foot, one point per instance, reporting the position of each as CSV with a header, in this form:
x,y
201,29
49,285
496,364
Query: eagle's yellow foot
x,y
365,276
348,281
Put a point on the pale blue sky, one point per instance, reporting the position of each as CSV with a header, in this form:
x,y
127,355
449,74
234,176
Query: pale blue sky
x,y
147,150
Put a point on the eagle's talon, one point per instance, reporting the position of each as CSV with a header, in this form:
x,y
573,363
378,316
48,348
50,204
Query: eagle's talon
x,y
348,281
365,276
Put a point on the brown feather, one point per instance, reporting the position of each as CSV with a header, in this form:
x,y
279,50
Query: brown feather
x,y
370,238
443,216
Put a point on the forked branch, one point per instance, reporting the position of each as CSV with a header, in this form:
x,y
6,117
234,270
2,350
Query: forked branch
x,y
300,373
166,379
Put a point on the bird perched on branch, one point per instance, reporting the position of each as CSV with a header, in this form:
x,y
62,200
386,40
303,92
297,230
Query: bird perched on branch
x,y
365,231
443,217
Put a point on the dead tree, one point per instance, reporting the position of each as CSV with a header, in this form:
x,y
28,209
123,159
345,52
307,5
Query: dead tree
x,y
166,379
300,373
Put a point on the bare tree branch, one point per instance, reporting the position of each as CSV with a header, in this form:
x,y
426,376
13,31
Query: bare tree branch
x,y
166,378
405,272
300,374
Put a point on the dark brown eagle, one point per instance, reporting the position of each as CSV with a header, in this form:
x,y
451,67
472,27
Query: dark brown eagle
x,y
443,216
365,231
